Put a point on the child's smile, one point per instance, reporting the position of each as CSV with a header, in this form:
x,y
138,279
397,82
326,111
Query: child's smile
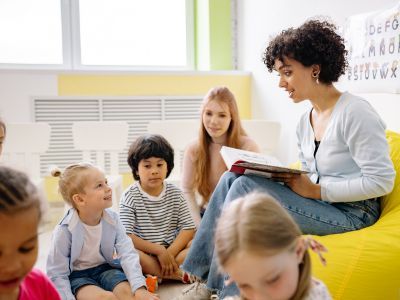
x,y
97,195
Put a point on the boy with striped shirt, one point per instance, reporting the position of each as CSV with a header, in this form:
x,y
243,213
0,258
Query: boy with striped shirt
x,y
154,212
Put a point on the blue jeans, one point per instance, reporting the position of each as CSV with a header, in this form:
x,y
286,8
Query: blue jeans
x,y
313,217
103,276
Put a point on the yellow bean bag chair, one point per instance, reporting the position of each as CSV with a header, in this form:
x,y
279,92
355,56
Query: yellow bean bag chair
x,y
365,264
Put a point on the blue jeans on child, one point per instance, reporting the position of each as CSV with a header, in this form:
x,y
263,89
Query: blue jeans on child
x,y
313,217
104,276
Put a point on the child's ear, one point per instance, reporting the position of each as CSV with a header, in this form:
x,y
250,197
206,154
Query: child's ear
x,y
78,200
300,249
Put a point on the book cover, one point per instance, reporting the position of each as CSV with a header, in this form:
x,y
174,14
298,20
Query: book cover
x,y
248,162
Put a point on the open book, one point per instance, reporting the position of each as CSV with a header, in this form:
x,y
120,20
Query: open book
x,y
247,162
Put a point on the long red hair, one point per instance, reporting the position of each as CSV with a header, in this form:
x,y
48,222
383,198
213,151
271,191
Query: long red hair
x,y
235,131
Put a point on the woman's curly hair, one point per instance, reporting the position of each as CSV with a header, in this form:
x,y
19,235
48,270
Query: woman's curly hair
x,y
314,42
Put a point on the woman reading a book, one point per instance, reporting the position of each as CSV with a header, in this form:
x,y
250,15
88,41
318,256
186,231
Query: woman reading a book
x,y
202,163
341,142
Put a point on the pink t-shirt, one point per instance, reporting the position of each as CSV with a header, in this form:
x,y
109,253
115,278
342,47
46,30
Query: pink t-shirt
x,y
36,286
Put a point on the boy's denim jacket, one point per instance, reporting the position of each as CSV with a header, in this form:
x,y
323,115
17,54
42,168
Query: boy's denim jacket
x,y
67,243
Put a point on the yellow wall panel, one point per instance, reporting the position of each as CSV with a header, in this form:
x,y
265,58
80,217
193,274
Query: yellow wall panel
x,y
145,85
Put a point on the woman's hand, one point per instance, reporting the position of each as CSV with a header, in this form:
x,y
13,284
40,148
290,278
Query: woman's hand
x,y
167,262
143,294
300,184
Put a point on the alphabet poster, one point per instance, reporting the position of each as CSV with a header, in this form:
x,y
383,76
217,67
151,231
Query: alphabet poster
x,y
373,44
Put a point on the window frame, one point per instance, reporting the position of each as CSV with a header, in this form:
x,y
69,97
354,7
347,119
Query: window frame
x,y
71,50
65,38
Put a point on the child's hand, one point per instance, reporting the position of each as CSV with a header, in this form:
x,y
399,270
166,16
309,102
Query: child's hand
x,y
143,294
167,263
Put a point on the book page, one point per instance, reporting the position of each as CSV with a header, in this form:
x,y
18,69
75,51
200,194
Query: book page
x,y
260,159
242,161
232,155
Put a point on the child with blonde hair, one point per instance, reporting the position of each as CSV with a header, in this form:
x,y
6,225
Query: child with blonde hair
x,y
20,216
154,212
202,163
261,248
81,260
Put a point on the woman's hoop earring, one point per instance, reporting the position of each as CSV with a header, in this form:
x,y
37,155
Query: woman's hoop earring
x,y
316,75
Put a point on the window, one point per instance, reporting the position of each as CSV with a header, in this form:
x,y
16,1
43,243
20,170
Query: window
x,y
30,32
146,33
96,34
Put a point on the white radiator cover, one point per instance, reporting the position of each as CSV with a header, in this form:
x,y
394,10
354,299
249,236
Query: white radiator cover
x,y
60,112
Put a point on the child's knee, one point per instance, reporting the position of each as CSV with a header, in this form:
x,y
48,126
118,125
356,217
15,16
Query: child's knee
x,y
106,295
123,290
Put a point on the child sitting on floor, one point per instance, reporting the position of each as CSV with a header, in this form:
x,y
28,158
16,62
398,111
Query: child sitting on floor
x,y
154,212
80,262
20,215
261,248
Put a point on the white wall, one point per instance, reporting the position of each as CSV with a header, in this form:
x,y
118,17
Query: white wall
x,y
16,90
260,19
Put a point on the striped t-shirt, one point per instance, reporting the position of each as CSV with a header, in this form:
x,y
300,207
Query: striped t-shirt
x,y
156,219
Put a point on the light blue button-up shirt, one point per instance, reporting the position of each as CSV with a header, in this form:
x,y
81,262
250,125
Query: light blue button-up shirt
x,y
67,243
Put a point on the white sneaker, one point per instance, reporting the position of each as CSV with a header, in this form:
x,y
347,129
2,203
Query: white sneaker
x,y
196,291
